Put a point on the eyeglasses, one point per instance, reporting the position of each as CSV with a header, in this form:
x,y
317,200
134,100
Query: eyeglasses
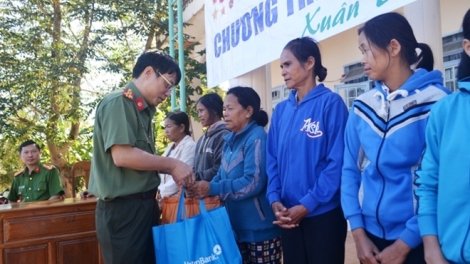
x,y
170,85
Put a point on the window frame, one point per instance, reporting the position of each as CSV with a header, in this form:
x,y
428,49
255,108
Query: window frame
x,y
344,91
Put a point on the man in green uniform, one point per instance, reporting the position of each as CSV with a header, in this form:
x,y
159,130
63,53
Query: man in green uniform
x,y
36,182
124,170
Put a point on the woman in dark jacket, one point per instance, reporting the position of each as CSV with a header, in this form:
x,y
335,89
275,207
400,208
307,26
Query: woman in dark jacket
x,y
209,146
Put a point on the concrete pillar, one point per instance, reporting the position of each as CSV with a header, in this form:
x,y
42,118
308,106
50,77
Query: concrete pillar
x,y
425,19
260,80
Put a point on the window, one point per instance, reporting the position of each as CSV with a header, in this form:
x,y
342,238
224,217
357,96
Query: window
x,y
279,94
452,50
354,73
355,83
349,92
450,78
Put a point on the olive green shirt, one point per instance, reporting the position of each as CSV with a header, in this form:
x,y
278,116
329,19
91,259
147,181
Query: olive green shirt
x,y
122,118
43,183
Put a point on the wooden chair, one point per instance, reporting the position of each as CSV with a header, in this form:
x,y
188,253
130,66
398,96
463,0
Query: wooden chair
x,y
84,167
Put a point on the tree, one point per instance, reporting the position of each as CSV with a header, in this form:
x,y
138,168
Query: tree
x,y
43,63
46,51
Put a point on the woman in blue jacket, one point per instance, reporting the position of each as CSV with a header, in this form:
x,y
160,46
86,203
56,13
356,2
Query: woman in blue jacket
x,y
241,179
444,177
304,158
386,127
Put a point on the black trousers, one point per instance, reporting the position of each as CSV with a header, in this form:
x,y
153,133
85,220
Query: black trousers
x,y
416,255
317,240
124,230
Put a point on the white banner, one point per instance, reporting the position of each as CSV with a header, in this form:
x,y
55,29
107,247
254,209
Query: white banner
x,y
242,35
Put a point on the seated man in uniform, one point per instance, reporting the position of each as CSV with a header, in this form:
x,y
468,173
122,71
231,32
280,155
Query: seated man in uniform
x,y
36,181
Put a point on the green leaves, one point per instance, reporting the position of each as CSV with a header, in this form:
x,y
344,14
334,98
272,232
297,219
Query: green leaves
x,y
48,52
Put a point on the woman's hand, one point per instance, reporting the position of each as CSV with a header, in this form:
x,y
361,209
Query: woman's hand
x,y
394,254
281,214
297,213
200,189
432,250
366,250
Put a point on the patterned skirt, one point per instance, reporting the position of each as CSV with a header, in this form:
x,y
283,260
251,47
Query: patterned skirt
x,y
265,252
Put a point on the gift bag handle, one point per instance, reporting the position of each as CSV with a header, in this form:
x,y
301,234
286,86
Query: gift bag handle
x,y
182,209
202,206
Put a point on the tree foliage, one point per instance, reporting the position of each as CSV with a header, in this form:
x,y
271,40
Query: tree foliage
x,y
47,50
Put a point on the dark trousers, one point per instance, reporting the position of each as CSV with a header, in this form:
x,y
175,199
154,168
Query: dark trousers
x,y
416,255
124,230
317,240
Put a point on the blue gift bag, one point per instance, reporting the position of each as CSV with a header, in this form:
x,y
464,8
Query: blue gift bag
x,y
206,238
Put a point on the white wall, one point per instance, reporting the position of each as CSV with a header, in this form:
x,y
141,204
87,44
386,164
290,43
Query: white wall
x,y
452,12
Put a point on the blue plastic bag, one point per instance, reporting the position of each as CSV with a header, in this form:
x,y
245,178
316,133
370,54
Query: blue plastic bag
x,y
206,238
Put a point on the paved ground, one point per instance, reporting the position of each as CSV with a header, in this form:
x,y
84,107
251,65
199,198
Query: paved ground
x,y
351,257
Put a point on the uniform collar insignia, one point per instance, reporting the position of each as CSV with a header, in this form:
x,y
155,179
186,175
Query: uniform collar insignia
x,y
131,95
139,102
36,169
128,93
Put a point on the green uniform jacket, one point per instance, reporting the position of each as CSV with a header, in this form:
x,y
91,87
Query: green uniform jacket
x,y
40,185
122,118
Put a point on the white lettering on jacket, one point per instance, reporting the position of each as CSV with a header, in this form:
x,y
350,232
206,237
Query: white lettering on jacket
x,y
312,128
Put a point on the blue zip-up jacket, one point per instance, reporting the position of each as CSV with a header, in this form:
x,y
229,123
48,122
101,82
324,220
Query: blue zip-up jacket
x,y
388,131
241,183
305,151
444,177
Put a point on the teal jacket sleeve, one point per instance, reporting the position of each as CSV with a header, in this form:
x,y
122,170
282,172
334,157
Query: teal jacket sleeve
x,y
428,179
351,174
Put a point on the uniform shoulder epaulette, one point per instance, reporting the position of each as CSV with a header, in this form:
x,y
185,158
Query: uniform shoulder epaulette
x,y
128,93
18,172
139,101
48,166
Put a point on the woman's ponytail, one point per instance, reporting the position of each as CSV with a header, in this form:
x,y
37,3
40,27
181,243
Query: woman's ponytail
x,y
425,58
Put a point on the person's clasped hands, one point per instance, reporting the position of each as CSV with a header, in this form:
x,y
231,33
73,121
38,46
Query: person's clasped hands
x,y
199,190
288,218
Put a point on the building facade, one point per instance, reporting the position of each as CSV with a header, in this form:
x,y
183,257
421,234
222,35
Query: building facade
x,y
435,22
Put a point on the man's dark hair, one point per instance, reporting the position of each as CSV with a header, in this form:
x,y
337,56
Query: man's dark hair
x,y
159,61
27,143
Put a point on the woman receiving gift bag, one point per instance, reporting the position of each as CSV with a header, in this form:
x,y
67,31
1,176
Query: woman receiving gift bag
x,y
207,155
241,180
209,147
182,147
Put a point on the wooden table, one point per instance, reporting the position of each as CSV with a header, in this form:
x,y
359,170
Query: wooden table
x,y
54,232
